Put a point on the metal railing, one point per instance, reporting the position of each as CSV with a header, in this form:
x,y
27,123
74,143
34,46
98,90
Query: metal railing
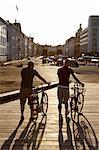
x,y
15,95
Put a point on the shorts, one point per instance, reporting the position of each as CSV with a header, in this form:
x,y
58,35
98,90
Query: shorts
x,y
24,94
63,94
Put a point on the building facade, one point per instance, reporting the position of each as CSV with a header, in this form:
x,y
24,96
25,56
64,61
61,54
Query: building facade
x,y
14,44
69,47
93,35
84,41
3,40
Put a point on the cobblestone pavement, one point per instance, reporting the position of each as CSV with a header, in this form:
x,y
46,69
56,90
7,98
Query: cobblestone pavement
x,y
44,133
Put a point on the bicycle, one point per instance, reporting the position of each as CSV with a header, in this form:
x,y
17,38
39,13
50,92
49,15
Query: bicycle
x,y
76,100
38,102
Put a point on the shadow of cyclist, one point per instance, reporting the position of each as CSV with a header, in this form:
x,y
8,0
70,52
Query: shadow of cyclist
x,y
37,133
7,143
28,138
19,143
84,135
65,144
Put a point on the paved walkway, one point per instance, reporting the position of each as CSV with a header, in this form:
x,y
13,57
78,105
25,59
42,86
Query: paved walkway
x,y
44,134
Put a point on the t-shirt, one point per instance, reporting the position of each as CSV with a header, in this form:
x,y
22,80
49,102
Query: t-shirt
x,y
63,75
27,77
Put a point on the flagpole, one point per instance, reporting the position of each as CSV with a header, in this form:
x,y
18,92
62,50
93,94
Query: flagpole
x,y
17,10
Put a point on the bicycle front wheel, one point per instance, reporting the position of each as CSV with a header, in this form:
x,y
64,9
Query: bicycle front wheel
x,y
44,103
80,102
73,105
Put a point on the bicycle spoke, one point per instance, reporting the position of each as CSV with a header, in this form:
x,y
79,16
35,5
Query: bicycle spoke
x,y
80,102
73,109
44,103
33,106
77,100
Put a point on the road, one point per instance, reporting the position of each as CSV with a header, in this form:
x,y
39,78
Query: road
x,y
45,134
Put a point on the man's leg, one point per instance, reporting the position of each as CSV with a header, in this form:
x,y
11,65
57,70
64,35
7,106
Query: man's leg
x,y
66,98
59,107
66,108
22,106
59,94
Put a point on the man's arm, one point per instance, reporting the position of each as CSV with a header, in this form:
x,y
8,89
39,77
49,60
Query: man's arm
x,y
77,79
41,78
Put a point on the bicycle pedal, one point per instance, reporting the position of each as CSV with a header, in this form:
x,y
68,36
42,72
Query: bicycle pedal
x,y
43,114
79,102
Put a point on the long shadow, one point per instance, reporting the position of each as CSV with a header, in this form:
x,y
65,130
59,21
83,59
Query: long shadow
x,y
65,144
84,135
35,137
7,143
19,143
32,136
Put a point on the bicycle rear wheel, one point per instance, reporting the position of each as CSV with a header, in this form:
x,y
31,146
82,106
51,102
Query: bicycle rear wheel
x,y
33,107
44,103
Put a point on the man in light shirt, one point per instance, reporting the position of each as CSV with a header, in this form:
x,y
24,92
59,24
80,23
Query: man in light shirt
x,y
63,87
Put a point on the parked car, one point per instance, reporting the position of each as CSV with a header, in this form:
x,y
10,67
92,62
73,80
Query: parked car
x,y
43,60
48,60
59,62
81,59
74,63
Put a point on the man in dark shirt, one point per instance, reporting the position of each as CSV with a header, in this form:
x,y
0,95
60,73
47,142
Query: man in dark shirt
x,y
27,75
63,87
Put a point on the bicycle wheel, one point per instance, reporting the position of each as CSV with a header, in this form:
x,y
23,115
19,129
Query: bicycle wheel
x,y
44,103
73,108
84,135
33,106
80,102
78,136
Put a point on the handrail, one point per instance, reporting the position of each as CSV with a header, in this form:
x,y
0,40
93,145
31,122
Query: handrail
x,y
15,95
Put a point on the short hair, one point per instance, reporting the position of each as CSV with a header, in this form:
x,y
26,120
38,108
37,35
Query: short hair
x,y
67,60
30,63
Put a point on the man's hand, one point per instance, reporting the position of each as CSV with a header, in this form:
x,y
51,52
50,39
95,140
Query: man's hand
x,y
48,83
82,84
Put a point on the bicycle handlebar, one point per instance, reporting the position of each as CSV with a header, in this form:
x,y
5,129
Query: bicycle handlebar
x,y
78,87
44,87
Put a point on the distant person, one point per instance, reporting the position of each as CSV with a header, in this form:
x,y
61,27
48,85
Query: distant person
x,y
27,75
63,87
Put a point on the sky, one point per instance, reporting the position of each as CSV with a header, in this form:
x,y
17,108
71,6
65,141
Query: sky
x,y
49,22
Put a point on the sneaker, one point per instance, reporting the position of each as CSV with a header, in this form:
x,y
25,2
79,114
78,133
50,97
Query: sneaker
x,y
68,119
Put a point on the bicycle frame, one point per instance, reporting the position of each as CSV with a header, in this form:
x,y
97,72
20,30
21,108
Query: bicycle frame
x,y
76,100
39,102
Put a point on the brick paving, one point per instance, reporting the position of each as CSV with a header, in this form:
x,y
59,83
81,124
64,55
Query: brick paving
x,y
44,133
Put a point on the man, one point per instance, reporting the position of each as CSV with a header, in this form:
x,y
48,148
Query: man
x,y
27,75
63,87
